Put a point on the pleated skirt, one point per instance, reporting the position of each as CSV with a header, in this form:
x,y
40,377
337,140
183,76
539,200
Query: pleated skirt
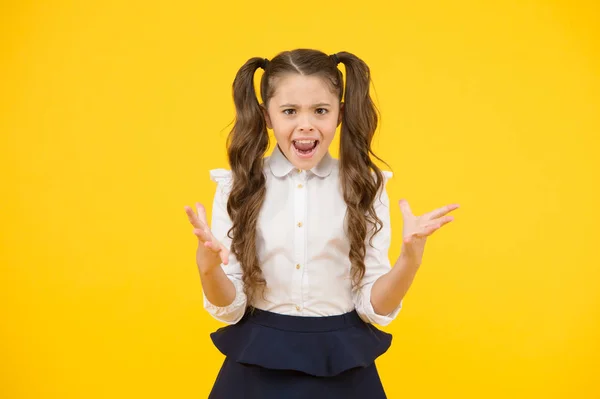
x,y
269,355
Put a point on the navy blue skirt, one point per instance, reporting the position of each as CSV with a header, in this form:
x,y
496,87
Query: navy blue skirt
x,y
269,355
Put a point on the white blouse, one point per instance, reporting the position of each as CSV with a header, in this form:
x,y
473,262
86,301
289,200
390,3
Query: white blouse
x,y
302,245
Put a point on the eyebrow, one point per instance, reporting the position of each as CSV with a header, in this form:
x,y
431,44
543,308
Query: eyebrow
x,y
297,106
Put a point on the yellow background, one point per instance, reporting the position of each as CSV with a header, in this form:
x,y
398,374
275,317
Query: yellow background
x,y
112,114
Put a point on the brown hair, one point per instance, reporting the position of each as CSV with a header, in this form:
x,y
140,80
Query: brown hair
x,y
248,142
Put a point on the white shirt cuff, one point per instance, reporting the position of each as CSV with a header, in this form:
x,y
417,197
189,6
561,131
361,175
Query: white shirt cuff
x,y
233,312
367,313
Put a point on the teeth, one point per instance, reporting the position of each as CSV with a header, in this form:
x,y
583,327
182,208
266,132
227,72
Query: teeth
x,y
305,141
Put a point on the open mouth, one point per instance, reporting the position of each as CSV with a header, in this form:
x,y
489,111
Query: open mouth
x,y
305,148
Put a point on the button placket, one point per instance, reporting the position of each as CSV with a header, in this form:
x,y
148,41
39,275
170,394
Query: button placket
x,y
299,184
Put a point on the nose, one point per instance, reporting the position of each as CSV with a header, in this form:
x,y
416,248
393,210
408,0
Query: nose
x,y
304,125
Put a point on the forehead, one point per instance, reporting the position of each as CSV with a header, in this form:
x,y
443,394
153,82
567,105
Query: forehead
x,y
298,89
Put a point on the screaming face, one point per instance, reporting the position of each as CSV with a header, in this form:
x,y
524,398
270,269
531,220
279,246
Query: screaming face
x,y
304,114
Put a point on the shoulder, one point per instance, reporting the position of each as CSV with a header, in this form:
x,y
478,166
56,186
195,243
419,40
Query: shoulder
x,y
387,175
220,175
223,178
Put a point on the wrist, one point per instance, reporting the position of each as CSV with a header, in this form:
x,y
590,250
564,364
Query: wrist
x,y
408,260
209,267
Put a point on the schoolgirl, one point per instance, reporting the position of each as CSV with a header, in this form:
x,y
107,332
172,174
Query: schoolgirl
x,y
295,260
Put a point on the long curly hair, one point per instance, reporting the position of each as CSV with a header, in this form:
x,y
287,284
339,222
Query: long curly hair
x,y
248,141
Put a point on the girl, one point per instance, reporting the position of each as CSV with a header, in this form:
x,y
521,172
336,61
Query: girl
x,y
296,259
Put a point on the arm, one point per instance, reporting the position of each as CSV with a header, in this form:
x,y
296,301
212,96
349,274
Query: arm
x,y
377,264
209,255
390,288
218,288
220,272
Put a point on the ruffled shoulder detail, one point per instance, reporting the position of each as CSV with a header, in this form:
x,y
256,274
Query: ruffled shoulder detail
x,y
220,175
322,353
223,178
386,175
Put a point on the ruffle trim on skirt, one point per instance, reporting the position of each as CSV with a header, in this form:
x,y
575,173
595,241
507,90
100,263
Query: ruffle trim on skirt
x,y
319,346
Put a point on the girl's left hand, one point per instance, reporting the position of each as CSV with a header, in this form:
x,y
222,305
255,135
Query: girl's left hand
x,y
416,229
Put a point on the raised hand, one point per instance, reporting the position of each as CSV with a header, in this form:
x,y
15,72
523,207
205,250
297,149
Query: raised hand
x,y
416,229
211,252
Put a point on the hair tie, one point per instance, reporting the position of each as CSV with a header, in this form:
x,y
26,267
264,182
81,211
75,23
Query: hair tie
x,y
264,64
335,58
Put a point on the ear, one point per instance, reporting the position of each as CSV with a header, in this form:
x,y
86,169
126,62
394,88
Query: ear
x,y
266,115
340,113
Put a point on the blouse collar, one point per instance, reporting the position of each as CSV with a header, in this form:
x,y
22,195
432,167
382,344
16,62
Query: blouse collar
x,y
280,166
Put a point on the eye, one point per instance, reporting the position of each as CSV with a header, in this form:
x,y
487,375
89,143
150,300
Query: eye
x,y
285,111
322,111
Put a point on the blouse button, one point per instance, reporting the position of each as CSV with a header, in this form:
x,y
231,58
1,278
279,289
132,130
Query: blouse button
x,y
300,186
299,170
298,266
299,224
297,308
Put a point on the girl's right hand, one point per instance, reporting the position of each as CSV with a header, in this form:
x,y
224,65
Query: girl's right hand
x,y
211,253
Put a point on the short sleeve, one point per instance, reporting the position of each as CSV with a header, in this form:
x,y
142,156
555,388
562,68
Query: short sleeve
x,y
377,263
220,225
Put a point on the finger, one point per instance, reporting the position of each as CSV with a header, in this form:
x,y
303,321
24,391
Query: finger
x,y
222,251
203,235
201,213
224,256
436,213
424,233
211,245
434,225
444,220
192,217
405,208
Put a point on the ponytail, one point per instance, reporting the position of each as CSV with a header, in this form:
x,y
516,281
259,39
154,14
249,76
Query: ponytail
x,y
361,179
246,146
